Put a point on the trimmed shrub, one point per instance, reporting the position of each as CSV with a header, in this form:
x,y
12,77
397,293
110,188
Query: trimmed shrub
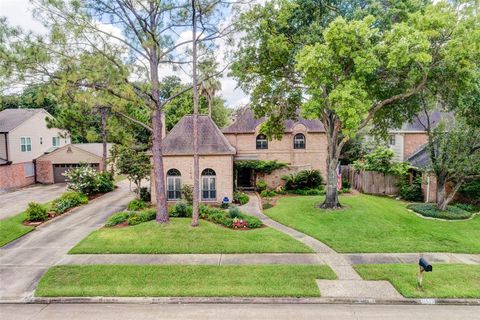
x,y
134,219
240,198
305,179
261,185
467,207
36,212
182,210
234,212
471,190
117,218
69,199
147,215
253,222
309,192
187,193
145,194
136,205
430,210
267,206
410,191
267,193
105,182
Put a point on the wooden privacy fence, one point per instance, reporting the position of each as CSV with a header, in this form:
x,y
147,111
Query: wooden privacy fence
x,y
372,182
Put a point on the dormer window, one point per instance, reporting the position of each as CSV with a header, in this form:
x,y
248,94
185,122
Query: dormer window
x,y
262,142
299,141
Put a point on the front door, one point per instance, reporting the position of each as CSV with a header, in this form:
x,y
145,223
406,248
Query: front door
x,y
244,178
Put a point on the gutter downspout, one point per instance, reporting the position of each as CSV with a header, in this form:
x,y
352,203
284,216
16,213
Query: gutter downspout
x,y
428,188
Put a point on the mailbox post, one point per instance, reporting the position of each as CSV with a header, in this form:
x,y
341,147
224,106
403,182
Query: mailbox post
x,y
424,266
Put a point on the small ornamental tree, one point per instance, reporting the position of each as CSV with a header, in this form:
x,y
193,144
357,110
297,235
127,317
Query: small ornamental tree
x,y
135,164
455,158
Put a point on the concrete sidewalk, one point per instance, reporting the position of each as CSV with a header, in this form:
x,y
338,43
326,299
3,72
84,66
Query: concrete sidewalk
x,y
23,262
265,258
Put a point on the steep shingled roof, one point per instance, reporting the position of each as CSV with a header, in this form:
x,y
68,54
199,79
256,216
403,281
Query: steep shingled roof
x,y
420,158
246,123
179,141
12,118
417,124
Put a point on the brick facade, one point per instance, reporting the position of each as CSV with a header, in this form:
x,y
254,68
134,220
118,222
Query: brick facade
x,y
44,172
412,142
221,164
13,176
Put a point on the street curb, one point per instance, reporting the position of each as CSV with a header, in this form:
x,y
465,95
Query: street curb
x,y
239,300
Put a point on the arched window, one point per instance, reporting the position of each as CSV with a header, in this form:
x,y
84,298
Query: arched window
x,y
299,141
209,185
262,142
174,185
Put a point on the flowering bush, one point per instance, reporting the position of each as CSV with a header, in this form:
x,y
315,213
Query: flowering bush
x,y
88,181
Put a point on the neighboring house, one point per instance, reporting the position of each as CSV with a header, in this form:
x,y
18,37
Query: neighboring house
x,y
412,135
51,166
24,136
303,146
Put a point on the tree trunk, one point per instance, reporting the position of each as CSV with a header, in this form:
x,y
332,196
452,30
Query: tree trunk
x,y
196,169
441,193
162,212
331,197
103,114
333,154
209,98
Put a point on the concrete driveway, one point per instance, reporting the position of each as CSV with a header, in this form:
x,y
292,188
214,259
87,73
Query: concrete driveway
x,y
12,203
24,261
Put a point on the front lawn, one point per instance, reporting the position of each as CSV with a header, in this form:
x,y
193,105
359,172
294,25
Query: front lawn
x,y
179,237
445,281
183,281
375,224
11,228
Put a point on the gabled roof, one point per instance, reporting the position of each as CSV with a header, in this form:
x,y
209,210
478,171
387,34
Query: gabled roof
x,y
247,123
179,141
12,118
419,122
420,158
95,148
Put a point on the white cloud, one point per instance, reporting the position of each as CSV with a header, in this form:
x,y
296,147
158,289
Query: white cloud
x,y
19,13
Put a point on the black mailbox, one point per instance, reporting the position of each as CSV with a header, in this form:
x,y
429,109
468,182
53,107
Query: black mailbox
x,y
425,265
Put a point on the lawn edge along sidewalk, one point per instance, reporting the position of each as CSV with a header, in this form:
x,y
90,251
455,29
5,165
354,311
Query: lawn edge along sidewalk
x,y
249,300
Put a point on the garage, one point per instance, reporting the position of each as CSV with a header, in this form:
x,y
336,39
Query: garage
x,y
51,166
60,169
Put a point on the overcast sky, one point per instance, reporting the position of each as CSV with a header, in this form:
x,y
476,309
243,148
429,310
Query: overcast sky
x,y
19,13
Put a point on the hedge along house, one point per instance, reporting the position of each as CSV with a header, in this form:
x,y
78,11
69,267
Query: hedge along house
x,y
216,161
302,147
51,166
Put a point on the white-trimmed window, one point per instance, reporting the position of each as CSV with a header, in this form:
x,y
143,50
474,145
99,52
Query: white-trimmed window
x,y
209,185
56,141
262,142
25,144
391,140
29,169
299,141
41,140
174,185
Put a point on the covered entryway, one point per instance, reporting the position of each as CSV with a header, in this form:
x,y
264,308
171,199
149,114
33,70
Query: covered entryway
x,y
60,169
245,178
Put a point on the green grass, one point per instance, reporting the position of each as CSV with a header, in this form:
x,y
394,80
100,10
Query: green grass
x,y
183,280
179,237
445,281
376,224
11,228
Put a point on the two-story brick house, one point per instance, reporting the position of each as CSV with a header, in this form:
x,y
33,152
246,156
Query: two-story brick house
x,y
24,136
303,146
